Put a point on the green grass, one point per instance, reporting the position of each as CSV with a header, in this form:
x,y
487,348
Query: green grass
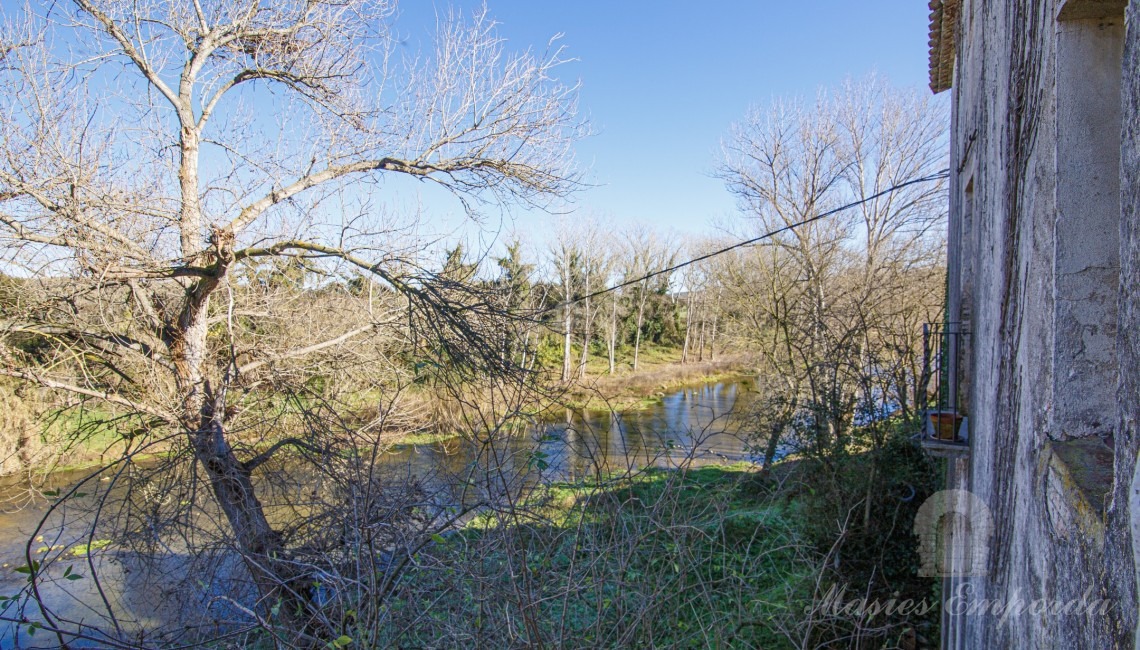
x,y
650,357
702,558
411,439
645,388
82,550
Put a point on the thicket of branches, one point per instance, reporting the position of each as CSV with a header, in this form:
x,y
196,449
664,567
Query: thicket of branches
x,y
835,309
157,158
198,277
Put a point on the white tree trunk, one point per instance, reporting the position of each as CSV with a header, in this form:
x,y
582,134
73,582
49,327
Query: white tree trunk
x,y
566,339
612,343
712,335
586,325
688,328
637,335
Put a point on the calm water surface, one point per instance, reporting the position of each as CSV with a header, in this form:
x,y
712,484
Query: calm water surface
x,y
699,425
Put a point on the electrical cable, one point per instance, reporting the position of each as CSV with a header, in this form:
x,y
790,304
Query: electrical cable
x,y
938,176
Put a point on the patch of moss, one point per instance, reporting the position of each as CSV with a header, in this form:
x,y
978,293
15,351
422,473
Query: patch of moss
x,y
83,550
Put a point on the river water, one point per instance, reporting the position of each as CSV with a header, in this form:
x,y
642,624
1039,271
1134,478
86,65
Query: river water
x,y
699,425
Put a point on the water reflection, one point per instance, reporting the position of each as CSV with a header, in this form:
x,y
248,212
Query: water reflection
x,y
699,425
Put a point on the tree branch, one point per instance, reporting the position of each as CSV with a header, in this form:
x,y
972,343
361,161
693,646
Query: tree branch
x,y
133,54
309,349
260,459
255,209
89,392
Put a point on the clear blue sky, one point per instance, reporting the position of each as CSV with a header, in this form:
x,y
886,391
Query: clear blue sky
x,y
662,81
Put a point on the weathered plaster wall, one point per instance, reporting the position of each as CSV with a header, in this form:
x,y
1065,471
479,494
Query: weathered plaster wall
x,y
1046,542
1123,546
1012,187
1086,246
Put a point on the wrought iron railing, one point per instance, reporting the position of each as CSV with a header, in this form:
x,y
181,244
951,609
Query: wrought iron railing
x,y
940,387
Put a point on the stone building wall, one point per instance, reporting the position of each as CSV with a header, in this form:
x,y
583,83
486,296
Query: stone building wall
x,y
1122,562
1042,252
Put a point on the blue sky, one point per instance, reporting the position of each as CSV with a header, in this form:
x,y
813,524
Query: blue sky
x,y
662,81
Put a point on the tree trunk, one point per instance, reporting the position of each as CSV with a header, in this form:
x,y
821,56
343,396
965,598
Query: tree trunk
x,y
688,328
712,334
585,354
202,417
202,412
190,212
701,340
566,335
773,444
613,330
637,335
586,322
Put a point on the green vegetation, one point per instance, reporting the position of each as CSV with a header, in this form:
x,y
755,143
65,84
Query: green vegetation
x,y
700,558
82,550
726,557
426,438
859,517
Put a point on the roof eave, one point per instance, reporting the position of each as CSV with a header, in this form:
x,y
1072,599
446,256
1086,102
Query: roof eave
x,y
943,37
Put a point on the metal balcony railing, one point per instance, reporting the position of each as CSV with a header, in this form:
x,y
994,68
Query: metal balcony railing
x,y
944,428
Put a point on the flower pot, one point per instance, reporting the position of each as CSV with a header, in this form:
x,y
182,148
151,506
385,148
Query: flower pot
x,y
943,425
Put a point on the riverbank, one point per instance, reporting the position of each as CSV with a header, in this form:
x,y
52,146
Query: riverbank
x,y
665,549
715,556
707,557
76,440
646,386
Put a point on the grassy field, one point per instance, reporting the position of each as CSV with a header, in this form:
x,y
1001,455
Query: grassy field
x,y
701,558
715,557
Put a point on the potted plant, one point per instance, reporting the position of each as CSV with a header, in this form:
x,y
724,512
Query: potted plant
x,y
943,425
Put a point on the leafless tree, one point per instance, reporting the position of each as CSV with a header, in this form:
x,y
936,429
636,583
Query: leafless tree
x,y
595,271
646,252
825,302
689,281
566,258
151,153
614,299
832,307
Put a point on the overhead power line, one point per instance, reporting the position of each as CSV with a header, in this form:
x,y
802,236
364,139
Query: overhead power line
x,y
938,176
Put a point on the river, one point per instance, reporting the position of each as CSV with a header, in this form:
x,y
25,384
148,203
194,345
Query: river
x,y
698,425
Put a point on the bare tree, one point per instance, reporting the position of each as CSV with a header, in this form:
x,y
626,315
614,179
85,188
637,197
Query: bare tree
x,y
823,302
612,256
688,280
698,284
149,152
646,252
566,258
612,329
833,306
595,271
